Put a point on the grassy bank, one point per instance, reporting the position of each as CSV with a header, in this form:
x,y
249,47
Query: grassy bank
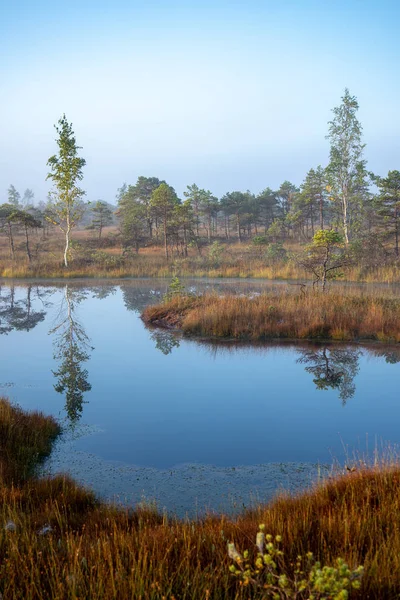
x,y
57,542
88,259
347,316
150,266
25,439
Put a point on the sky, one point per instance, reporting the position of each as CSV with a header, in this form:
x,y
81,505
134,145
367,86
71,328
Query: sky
x,y
227,94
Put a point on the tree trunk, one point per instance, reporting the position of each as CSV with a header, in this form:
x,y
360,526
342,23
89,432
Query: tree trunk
x,y
165,237
345,218
325,266
28,252
321,211
67,232
185,241
11,239
238,228
312,221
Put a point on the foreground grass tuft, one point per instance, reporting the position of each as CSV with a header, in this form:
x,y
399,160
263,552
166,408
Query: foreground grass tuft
x,y
25,439
330,316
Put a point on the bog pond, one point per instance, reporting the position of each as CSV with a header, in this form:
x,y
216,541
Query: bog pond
x,y
193,426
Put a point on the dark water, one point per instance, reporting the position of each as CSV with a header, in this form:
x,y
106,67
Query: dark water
x,y
148,414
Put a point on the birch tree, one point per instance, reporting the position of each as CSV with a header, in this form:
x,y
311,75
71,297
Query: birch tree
x,y
346,169
65,173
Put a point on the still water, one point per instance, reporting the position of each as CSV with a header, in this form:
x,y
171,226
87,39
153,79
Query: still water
x,y
149,415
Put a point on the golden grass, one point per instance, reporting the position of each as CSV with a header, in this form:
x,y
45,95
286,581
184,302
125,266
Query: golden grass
x,y
107,261
154,265
96,551
111,264
334,315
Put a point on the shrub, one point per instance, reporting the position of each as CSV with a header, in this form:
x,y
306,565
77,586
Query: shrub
x,y
106,260
276,253
215,252
260,240
310,580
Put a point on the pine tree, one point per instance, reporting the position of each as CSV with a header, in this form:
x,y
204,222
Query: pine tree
x,y
388,206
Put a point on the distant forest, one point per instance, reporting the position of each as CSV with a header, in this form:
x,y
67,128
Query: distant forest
x,y
344,196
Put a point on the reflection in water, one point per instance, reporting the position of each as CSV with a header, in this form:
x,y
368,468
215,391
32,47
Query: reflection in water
x,y
22,308
139,294
19,314
153,425
137,298
72,350
333,368
392,355
165,341
102,292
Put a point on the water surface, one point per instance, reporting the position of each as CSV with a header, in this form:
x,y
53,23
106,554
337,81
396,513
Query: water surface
x,y
193,425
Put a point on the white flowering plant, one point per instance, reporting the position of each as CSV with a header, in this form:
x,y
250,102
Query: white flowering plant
x,y
310,580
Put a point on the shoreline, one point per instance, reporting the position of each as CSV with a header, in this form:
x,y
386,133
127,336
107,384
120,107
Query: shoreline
x,y
169,270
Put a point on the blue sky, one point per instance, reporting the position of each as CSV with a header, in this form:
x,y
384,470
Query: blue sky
x,y
226,94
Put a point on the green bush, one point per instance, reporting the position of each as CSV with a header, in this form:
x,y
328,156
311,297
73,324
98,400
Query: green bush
x,y
106,260
276,253
260,240
215,252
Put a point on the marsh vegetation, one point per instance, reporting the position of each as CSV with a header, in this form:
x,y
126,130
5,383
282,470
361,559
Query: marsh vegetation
x,y
344,315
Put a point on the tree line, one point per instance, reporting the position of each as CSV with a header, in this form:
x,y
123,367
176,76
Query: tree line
x,y
342,196
338,196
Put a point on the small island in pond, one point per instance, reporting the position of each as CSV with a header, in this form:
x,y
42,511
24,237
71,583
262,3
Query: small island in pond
x,y
334,315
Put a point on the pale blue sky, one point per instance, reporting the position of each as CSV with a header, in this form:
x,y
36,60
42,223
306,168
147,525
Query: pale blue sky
x,y
227,94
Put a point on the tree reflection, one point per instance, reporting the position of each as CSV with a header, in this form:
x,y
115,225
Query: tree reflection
x,y
72,350
102,292
136,298
165,341
333,368
19,314
391,355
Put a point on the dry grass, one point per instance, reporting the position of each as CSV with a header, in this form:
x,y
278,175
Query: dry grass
x,y
335,315
25,438
91,259
153,264
96,551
